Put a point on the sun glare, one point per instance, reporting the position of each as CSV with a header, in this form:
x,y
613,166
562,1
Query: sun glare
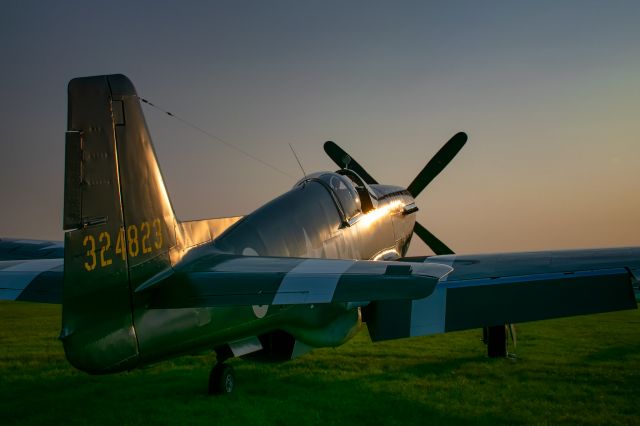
x,y
374,215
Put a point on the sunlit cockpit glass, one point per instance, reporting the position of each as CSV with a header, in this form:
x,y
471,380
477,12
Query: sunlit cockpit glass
x,y
346,194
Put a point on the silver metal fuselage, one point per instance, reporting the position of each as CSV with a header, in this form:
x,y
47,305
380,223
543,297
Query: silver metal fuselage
x,y
305,222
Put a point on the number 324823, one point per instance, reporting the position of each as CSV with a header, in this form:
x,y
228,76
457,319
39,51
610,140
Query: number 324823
x,y
135,241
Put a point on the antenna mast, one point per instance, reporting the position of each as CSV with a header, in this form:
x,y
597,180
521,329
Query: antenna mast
x,y
298,160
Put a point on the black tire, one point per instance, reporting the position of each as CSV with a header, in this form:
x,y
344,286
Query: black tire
x,y
497,341
222,379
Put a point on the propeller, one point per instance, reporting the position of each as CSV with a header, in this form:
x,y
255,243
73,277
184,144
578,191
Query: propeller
x,y
431,240
433,168
439,161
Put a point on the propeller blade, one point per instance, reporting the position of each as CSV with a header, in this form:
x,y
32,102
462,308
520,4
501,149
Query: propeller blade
x,y
430,240
345,161
437,163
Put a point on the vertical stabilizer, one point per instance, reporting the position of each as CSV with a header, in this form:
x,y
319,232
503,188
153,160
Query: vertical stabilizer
x,y
119,221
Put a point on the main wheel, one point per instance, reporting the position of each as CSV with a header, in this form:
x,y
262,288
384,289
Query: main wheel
x,y
222,379
496,341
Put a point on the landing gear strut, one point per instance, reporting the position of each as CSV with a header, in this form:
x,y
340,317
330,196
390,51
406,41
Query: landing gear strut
x,y
222,379
495,338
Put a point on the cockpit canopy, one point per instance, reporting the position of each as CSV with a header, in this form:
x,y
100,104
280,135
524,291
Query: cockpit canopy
x,y
368,198
351,194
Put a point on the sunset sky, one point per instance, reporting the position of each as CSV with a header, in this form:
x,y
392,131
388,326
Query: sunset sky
x,y
548,92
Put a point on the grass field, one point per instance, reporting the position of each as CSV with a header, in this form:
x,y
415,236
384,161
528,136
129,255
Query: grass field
x,y
583,370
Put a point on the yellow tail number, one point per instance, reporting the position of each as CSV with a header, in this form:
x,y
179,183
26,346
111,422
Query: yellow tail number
x,y
135,240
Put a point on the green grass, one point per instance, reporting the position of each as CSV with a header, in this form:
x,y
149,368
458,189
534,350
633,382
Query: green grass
x,y
583,370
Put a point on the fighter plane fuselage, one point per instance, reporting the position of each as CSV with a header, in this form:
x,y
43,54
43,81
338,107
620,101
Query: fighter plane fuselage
x,y
312,220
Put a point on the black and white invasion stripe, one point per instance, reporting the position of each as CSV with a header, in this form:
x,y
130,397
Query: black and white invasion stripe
x,y
35,280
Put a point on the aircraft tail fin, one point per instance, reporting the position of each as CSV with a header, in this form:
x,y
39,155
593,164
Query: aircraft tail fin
x,y
112,175
121,228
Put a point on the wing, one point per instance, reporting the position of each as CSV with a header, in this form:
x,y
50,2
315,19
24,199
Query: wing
x,y
31,270
494,289
227,280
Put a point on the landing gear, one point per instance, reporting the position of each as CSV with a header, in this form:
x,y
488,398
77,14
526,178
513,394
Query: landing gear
x,y
222,379
496,339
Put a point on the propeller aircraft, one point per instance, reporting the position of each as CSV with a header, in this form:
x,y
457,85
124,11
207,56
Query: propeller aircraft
x,y
303,271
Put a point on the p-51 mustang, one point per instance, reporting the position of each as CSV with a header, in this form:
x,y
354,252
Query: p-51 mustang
x,y
301,272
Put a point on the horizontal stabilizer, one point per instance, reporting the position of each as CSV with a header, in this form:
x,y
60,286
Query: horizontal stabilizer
x,y
198,232
223,280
